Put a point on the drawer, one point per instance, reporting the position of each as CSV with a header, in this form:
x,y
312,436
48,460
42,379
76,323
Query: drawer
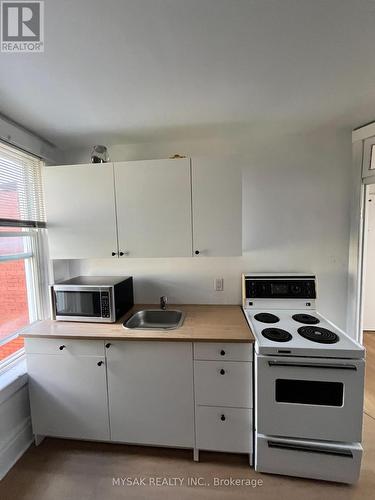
x,y
220,383
224,429
70,347
227,351
315,459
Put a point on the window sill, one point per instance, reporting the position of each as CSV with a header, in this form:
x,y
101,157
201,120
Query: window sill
x,y
12,379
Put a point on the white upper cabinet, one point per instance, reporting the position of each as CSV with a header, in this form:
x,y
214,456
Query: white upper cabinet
x,y
153,208
153,202
217,207
80,207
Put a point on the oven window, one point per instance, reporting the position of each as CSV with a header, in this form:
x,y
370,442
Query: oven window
x,y
78,304
309,392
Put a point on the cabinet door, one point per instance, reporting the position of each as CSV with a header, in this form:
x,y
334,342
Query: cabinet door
x,y
150,387
80,207
154,208
68,396
217,207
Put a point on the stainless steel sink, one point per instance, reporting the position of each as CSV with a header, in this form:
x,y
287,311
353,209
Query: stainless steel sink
x,y
155,319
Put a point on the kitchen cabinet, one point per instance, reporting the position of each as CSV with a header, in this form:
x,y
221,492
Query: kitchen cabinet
x,y
217,207
153,203
80,206
68,388
223,381
179,394
150,387
153,208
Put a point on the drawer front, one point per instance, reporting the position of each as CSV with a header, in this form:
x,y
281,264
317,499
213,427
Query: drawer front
x,y
228,351
224,429
64,347
317,460
220,383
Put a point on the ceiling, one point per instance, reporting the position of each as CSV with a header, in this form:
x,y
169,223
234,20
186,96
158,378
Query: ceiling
x,y
141,70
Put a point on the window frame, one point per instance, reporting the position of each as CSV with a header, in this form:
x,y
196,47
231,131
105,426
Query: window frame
x,y
36,261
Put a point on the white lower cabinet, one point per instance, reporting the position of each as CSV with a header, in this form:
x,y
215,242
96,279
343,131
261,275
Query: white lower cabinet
x,y
143,392
68,395
223,383
224,429
219,383
150,388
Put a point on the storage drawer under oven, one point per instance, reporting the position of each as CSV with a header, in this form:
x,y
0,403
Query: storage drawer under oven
x,y
311,398
314,459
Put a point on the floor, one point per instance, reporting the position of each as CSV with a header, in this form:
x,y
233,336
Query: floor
x,y
72,470
369,341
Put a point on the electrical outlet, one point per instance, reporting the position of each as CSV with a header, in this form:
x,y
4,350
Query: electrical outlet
x,y
219,284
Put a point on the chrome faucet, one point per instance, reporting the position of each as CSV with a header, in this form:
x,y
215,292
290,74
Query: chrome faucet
x,y
163,302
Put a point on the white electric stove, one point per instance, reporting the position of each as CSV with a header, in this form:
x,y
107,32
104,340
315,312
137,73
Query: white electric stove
x,y
309,380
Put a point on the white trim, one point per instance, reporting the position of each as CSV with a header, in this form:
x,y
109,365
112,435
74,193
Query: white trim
x,y
17,136
12,379
364,132
15,446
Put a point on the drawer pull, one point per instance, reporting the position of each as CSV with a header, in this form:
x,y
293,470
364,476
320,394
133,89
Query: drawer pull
x,y
222,352
100,363
108,345
222,371
222,418
310,449
62,347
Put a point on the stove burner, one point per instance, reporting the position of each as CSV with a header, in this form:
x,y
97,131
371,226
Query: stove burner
x,y
266,318
306,318
276,334
318,334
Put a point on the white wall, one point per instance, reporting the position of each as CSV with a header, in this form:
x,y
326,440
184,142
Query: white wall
x,y
296,193
369,264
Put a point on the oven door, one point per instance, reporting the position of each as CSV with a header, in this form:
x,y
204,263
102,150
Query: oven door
x,y
72,304
311,398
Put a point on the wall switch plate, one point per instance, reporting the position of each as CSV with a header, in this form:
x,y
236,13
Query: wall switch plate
x,y
219,284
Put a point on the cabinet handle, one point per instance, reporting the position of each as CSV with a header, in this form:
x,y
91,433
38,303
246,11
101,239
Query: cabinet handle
x,y
222,418
114,253
108,345
123,253
222,353
62,347
222,371
197,252
100,363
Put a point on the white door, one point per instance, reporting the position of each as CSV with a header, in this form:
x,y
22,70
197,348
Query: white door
x,y
154,208
369,263
217,207
80,208
150,388
68,396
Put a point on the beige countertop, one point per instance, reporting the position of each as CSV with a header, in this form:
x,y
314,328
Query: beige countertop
x,y
203,323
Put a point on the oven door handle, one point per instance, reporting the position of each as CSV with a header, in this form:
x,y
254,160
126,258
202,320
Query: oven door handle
x,y
341,452
300,364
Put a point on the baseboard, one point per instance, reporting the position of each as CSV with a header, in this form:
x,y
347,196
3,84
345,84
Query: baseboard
x,y
15,446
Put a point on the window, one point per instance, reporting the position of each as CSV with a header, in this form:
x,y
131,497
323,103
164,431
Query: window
x,y
22,243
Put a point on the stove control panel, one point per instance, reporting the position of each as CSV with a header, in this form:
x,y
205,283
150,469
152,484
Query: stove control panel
x,y
279,287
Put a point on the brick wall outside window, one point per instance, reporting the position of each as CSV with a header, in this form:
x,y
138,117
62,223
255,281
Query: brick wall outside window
x,y
14,312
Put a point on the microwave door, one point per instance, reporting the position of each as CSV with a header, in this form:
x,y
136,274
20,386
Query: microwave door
x,y
84,304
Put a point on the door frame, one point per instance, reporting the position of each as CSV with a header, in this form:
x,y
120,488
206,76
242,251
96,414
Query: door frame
x,y
358,233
